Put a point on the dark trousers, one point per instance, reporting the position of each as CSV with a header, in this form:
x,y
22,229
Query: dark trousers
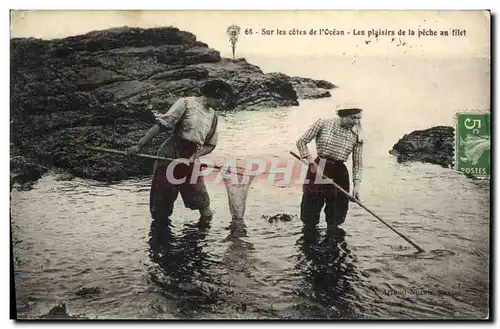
x,y
315,196
163,193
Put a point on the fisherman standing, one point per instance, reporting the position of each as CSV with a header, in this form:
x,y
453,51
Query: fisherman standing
x,y
191,125
336,138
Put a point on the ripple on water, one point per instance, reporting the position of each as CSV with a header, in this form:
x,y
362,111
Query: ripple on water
x,y
436,254
255,268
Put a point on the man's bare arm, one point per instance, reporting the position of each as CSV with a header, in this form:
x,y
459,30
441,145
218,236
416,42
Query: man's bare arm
x,y
150,134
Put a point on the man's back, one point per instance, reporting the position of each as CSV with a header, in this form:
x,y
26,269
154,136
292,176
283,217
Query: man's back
x,y
189,120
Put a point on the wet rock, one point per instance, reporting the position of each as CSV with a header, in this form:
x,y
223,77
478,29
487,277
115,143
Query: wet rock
x,y
60,312
62,175
471,176
85,292
104,88
307,88
434,145
279,218
24,169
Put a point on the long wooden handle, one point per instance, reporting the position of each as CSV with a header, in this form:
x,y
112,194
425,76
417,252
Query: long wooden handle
x,y
330,181
147,156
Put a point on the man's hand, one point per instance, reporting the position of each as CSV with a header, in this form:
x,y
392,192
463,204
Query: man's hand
x,y
355,192
193,158
132,151
313,166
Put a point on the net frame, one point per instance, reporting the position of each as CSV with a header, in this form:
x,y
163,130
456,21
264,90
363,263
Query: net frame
x,y
237,182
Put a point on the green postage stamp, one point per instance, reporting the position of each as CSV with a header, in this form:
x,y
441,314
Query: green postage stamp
x,y
472,144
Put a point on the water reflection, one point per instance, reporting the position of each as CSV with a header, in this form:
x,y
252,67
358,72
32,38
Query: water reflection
x,y
237,251
240,266
184,268
328,274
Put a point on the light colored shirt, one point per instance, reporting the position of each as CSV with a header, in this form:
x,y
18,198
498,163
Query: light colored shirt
x,y
334,142
188,119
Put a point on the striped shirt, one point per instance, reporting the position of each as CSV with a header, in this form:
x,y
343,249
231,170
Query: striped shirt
x,y
334,142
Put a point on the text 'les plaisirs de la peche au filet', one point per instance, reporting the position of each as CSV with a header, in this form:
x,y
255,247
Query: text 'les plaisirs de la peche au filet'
x,y
420,33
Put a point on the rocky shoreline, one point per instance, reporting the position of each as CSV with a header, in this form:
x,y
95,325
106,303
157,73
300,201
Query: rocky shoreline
x,y
434,145
104,87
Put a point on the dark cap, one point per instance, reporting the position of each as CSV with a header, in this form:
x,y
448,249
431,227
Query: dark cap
x,y
217,89
349,111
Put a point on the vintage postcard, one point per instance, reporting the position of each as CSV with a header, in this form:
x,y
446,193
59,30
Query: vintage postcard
x,y
282,165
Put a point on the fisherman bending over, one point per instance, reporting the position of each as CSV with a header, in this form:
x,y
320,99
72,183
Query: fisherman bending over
x,y
191,125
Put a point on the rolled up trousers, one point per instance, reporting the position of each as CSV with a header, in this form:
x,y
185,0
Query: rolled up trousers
x,y
315,196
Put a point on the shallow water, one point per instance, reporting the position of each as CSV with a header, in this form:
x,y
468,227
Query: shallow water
x,y
73,234
69,235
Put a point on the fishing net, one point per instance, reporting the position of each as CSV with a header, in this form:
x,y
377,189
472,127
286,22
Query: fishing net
x,y
237,182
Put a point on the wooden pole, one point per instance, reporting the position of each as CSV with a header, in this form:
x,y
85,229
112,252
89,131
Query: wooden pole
x,y
359,203
147,156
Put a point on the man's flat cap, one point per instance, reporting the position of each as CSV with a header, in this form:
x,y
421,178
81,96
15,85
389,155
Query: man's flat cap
x,y
348,108
349,111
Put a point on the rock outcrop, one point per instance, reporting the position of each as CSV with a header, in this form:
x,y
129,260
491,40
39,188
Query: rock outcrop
x,y
103,89
307,88
60,312
433,145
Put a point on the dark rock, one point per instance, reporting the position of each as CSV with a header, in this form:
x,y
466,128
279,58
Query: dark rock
x,y
85,292
433,145
309,88
254,89
57,312
103,88
24,170
279,218
60,312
